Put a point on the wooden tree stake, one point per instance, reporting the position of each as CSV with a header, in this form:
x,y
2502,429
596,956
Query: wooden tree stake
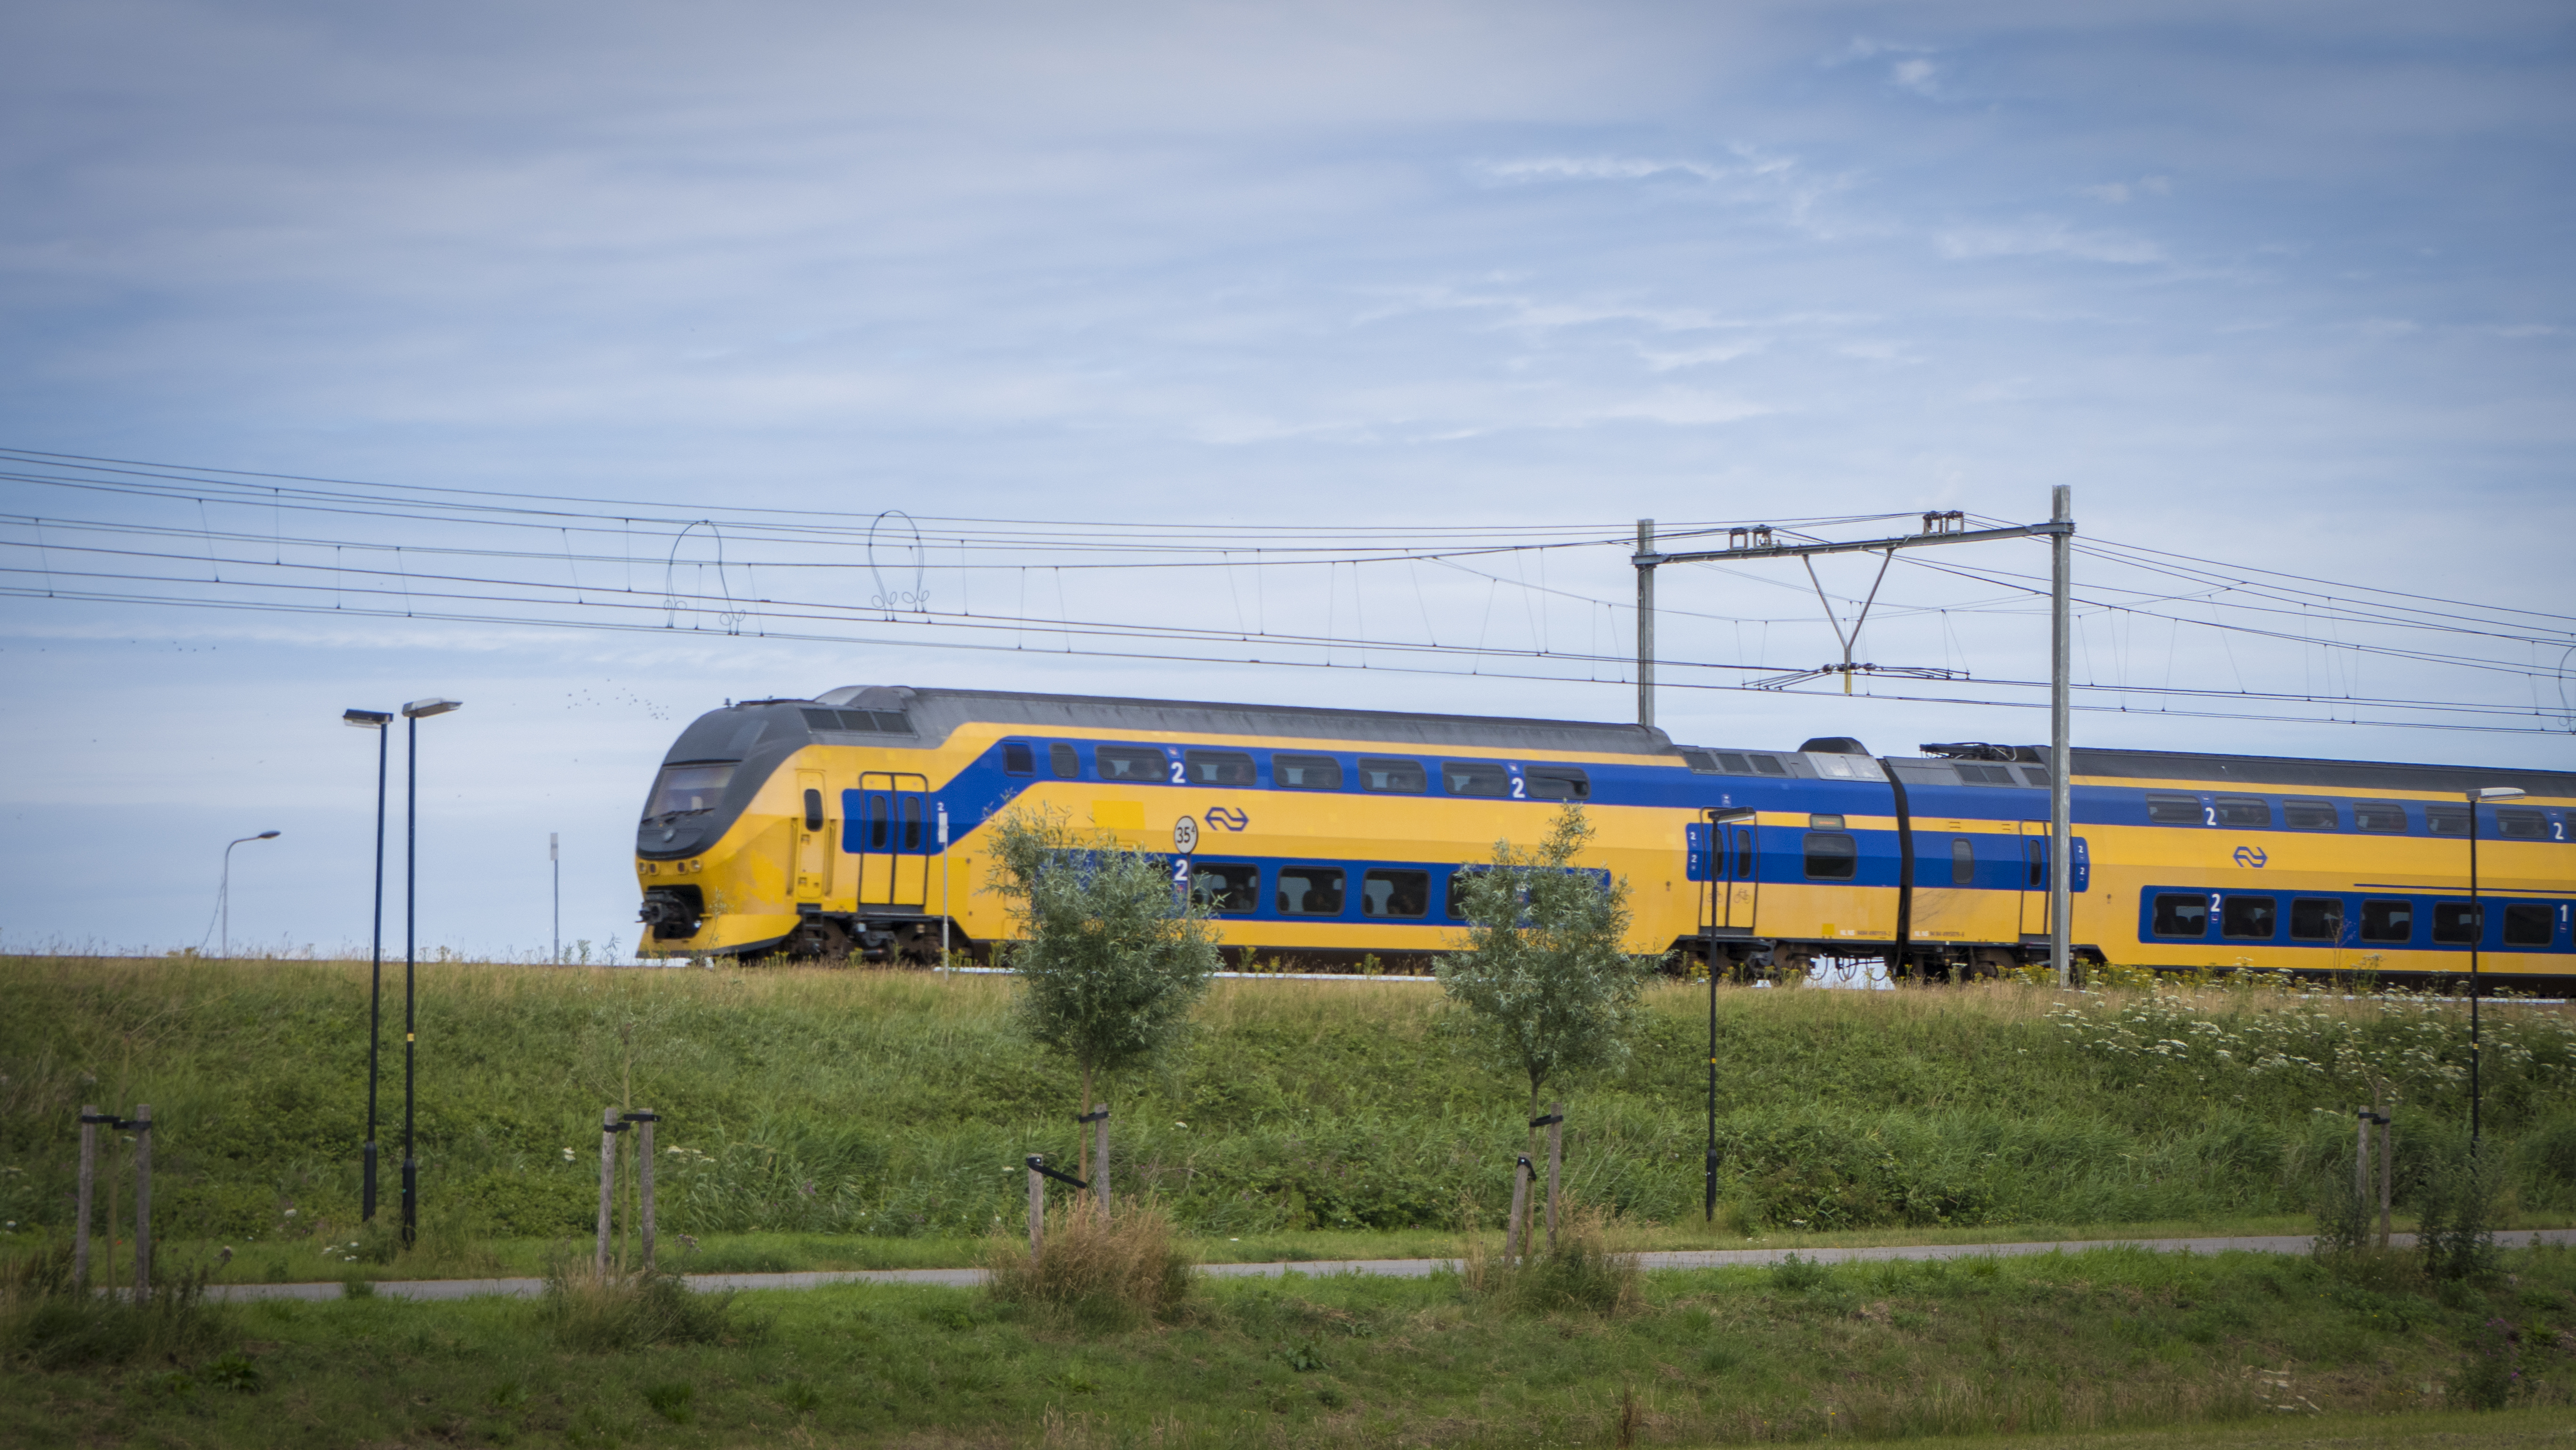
x,y
1555,1166
142,1202
88,1190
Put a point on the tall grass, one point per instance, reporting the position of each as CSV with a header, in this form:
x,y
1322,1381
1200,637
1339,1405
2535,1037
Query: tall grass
x,y
1104,1269
899,1104
48,1323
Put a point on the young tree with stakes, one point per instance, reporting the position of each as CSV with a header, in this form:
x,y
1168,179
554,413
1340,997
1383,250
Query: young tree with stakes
x,y
1547,990
1110,960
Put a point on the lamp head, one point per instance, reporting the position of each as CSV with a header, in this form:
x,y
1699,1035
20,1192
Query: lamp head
x,y
2496,793
366,719
423,709
265,836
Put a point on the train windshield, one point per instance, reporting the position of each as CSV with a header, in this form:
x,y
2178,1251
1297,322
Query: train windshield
x,y
685,788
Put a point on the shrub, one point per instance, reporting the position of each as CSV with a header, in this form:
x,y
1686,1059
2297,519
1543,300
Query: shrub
x,y
1105,1269
1585,1272
46,1323
588,1310
2455,1224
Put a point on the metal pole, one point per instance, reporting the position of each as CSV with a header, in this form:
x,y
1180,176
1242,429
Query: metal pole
x,y
411,1019
2061,761
224,904
89,1116
375,993
554,856
943,886
1645,623
1716,853
142,1202
2477,936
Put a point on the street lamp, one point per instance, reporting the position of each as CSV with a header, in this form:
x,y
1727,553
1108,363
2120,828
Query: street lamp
x,y
2477,939
375,720
224,890
415,712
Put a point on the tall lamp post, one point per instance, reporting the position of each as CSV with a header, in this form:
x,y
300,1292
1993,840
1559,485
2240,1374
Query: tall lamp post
x,y
224,890
2477,940
415,712
375,720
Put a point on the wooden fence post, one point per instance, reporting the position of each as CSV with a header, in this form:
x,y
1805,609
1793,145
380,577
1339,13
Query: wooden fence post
x,y
1100,1131
2361,1161
1520,1209
142,1202
89,1116
644,1119
1555,1165
607,1179
1037,1212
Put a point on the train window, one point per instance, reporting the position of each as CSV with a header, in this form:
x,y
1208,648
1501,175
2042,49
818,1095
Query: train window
x,y
1018,759
686,788
2034,858
1126,762
1226,887
880,828
2454,922
2526,925
2378,816
1393,777
2249,918
2301,815
2447,820
1305,772
2178,915
2243,810
1767,765
2316,918
1217,767
912,823
2388,921
1474,777
1700,762
1395,893
2173,810
1832,856
1558,783
1975,774
813,810
2521,825
1310,890
1744,859
1963,861
1458,880
1065,761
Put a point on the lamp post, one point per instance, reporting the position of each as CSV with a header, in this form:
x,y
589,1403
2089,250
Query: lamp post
x,y
224,890
554,859
415,712
375,720
2477,940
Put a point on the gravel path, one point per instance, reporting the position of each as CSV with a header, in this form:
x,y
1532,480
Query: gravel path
x,y
1395,1268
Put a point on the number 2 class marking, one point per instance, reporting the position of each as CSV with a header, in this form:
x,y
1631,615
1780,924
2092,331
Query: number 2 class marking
x,y
1518,792
1180,774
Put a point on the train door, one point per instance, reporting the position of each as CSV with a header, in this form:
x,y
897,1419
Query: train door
x,y
890,831
2034,879
1721,852
813,863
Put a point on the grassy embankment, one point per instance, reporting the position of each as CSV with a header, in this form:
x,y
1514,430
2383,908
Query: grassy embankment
x,y
2232,1349
827,1119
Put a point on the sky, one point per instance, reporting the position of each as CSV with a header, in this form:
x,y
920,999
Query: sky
x,y
2281,287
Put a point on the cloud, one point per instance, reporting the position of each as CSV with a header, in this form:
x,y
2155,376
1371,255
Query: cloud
x,y
2044,237
2118,192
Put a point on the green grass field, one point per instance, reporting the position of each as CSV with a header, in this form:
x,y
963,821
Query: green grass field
x,y
840,1118
2226,1349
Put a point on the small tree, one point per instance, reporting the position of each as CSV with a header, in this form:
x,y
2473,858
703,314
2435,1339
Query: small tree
x,y
1110,962
1547,988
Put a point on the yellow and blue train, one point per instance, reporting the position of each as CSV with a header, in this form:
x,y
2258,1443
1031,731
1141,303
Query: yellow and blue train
x,y
853,824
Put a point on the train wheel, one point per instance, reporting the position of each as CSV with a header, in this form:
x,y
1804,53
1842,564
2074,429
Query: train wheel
x,y
820,938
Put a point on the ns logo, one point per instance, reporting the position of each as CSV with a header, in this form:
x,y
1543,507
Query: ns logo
x,y
2251,856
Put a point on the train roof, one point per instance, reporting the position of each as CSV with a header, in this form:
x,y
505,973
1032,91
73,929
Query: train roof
x,y
934,713
2294,771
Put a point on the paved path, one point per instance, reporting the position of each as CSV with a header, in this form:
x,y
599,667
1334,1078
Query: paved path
x,y
1393,1268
